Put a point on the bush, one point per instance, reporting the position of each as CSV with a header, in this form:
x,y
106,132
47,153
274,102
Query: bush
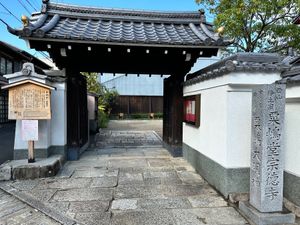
x,y
139,116
158,115
103,119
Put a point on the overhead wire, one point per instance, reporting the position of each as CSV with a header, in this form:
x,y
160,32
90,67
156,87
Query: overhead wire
x,y
35,3
9,12
12,14
24,6
29,3
46,56
43,54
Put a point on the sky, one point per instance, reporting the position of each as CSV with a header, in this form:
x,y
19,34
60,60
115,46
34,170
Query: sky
x,y
16,8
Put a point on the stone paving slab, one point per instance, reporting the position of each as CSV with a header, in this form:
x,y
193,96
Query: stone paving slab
x,y
145,218
94,218
127,139
41,195
124,204
224,216
95,172
104,182
129,185
85,194
131,178
13,211
167,203
25,184
190,177
119,163
206,201
88,206
156,191
64,183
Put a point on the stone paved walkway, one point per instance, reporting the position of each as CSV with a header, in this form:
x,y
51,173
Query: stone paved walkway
x,y
130,186
114,139
13,212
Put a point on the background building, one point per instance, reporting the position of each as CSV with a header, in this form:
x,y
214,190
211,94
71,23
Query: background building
x,y
11,60
142,93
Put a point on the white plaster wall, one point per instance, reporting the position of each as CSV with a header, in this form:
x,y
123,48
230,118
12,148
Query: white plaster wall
x,y
225,131
238,127
210,137
293,91
59,115
44,136
292,130
91,107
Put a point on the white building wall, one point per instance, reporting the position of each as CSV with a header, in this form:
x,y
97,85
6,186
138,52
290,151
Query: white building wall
x,y
132,85
59,115
224,134
210,138
143,85
44,136
238,127
292,130
91,107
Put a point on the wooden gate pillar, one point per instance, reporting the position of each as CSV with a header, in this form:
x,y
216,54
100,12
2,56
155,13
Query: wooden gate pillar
x,y
77,115
173,114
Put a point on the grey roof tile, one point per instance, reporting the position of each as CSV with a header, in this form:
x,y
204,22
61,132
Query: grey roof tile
x,y
266,62
293,74
62,21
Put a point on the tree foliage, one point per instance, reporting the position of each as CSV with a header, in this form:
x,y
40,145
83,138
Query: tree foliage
x,y
107,98
257,25
93,84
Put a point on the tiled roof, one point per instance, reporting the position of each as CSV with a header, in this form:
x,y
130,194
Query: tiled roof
x,y
292,75
2,80
69,22
259,62
22,55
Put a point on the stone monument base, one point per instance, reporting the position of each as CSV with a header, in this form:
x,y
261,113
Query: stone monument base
x,y
22,170
260,218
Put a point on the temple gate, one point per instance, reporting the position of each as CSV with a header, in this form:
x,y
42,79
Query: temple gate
x,y
88,39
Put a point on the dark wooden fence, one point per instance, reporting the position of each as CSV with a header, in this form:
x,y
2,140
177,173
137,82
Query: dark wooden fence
x,y
138,104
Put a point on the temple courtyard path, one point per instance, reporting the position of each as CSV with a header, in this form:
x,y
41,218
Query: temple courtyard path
x,y
126,178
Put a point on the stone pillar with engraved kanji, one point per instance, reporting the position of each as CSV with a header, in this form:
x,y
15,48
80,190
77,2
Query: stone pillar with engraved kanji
x,y
267,158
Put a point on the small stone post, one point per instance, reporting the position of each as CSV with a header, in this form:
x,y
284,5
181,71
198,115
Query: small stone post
x,y
267,157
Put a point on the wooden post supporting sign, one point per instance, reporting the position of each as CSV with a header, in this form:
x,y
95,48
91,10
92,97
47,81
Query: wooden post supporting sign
x,y
30,133
31,158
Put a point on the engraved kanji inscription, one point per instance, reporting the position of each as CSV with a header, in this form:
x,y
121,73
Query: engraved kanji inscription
x,y
29,101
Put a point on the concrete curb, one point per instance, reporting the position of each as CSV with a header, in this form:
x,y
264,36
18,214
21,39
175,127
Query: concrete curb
x,y
52,213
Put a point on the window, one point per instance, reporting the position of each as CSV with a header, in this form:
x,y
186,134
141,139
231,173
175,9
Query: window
x,y
17,67
9,67
2,66
192,106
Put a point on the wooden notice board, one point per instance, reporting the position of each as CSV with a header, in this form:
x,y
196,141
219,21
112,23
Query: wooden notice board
x,y
192,108
29,101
